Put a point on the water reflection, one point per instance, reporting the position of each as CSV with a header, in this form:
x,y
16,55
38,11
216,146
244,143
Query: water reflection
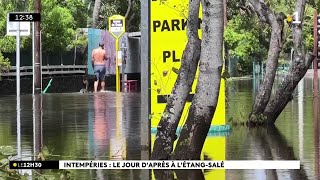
x,y
264,144
316,137
117,139
89,126
19,151
37,124
256,144
300,117
19,148
100,125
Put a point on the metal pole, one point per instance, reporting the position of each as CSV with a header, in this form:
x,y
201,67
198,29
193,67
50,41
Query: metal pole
x,y
41,60
124,79
18,60
19,148
33,53
37,60
117,67
315,62
122,69
145,122
37,125
145,68
75,51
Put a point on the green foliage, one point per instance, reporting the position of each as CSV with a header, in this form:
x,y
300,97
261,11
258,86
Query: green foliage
x,y
315,4
59,27
113,7
6,153
247,38
78,9
60,19
308,27
4,66
81,41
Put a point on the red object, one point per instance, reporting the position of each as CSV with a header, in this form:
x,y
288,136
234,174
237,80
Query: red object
x,y
131,85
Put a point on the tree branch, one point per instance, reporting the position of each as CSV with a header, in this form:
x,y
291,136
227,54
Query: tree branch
x,y
248,10
129,22
262,10
129,8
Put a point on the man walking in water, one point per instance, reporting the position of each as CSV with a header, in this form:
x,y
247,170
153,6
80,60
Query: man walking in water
x,y
99,58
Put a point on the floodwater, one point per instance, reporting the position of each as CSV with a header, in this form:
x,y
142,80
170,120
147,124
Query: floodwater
x,y
105,126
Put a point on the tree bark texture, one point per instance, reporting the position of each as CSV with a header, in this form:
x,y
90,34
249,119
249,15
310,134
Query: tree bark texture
x,y
95,14
166,132
276,21
283,94
204,103
130,2
299,67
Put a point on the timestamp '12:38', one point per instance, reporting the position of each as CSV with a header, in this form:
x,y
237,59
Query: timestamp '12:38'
x,y
24,17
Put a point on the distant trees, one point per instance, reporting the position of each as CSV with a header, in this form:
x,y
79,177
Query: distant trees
x,y
130,9
61,18
247,37
4,64
59,22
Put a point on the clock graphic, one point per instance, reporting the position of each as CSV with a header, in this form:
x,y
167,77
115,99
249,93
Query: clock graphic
x,y
24,16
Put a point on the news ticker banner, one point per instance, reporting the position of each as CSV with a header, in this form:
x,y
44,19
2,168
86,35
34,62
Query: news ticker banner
x,y
76,164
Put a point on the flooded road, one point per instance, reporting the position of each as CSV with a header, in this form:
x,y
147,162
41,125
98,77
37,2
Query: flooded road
x,y
87,126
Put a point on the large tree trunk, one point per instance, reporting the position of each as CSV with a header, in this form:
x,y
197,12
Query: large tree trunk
x,y
299,67
276,42
166,133
205,100
283,95
95,15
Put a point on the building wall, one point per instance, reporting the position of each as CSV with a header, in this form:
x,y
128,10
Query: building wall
x,y
134,61
59,84
129,46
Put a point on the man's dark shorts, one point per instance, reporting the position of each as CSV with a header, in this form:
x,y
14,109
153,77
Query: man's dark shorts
x,y
99,72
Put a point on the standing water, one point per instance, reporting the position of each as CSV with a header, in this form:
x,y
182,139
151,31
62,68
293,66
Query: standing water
x,y
105,126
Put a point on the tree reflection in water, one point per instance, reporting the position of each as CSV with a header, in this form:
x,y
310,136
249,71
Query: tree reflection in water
x,y
268,143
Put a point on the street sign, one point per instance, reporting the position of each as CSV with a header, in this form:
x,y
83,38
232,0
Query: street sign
x,y
117,29
13,26
117,25
168,39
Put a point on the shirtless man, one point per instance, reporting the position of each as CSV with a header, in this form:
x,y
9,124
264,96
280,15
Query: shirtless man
x,y
98,63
